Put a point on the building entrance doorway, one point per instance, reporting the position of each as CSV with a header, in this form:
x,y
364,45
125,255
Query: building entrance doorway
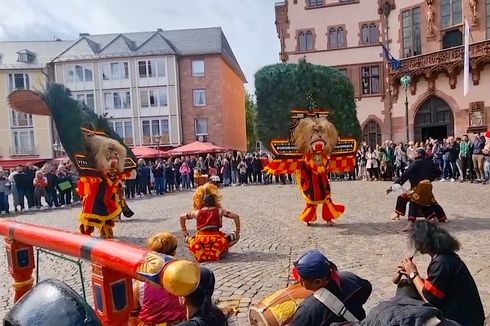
x,y
434,119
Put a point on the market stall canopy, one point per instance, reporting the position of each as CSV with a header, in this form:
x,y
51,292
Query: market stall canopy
x,y
145,152
10,164
194,148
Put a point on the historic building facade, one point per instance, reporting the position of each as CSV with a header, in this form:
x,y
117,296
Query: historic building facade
x,y
427,37
161,88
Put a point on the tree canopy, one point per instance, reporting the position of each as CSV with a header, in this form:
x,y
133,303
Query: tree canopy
x,y
282,87
250,120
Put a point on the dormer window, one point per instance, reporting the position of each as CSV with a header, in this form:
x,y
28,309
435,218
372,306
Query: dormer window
x,y
25,56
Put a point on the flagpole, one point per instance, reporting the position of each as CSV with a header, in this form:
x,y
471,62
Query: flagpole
x,y
466,62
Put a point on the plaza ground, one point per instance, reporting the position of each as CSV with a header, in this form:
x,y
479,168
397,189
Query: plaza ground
x,y
365,241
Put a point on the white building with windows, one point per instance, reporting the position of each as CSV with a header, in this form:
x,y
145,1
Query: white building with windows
x,y
131,78
24,138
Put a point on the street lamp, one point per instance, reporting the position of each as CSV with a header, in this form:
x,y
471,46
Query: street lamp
x,y
157,138
405,81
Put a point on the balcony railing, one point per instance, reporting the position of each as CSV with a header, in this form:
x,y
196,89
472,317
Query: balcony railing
x,y
449,61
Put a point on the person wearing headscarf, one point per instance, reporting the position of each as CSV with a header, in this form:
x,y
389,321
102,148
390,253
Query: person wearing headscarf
x,y
421,200
154,305
449,285
315,272
199,304
209,243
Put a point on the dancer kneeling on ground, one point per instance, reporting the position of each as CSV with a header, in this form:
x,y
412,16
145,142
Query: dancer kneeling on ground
x,y
449,285
338,296
199,304
421,200
153,305
209,243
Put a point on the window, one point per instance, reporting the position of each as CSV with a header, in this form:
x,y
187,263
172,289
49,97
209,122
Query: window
x,y
115,71
197,68
78,73
370,80
18,81
201,127
125,130
117,100
372,134
411,32
86,98
20,119
451,13
315,3
199,97
336,37
152,128
153,98
343,71
151,68
452,38
305,41
25,56
488,19
369,33
23,142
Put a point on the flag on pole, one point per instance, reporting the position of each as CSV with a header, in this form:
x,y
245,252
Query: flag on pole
x,y
394,63
466,69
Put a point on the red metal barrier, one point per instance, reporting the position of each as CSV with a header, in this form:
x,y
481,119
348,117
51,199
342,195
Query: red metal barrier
x,y
114,265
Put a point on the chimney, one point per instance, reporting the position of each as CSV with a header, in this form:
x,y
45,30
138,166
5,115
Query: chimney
x,y
83,34
159,30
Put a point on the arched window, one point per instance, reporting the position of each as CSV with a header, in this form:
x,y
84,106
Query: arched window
x,y
369,33
305,41
372,134
336,37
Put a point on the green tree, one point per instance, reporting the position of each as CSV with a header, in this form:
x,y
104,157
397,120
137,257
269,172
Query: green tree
x,y
282,87
250,118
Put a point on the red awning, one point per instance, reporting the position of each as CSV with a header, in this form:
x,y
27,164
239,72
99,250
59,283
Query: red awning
x,y
196,147
145,152
8,164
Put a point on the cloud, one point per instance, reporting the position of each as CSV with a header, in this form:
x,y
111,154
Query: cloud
x,y
247,24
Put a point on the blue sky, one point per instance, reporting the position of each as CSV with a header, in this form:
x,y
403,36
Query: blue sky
x,y
247,24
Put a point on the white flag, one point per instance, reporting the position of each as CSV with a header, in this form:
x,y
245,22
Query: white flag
x,y
466,74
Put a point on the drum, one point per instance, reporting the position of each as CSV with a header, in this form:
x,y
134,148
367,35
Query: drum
x,y
279,308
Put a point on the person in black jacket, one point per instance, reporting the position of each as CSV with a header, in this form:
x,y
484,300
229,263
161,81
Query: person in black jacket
x,y
199,304
24,185
315,271
51,195
449,285
421,201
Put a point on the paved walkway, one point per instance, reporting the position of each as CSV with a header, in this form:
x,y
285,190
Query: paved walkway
x,y
365,241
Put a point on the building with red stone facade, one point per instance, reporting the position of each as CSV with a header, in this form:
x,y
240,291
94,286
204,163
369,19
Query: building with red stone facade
x,y
425,35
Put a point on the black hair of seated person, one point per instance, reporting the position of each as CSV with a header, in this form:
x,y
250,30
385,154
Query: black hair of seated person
x,y
209,201
201,298
432,239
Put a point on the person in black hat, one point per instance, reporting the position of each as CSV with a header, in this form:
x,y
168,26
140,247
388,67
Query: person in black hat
x,y
200,308
337,297
420,197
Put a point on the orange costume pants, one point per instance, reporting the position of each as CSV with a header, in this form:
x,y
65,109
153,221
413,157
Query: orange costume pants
x,y
208,245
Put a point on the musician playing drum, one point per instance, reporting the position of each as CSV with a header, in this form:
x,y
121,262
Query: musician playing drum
x,y
338,296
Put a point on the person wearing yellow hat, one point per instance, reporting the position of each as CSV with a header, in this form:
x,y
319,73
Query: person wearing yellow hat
x,y
154,305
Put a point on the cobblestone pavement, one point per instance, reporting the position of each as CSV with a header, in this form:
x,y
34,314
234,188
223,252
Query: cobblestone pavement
x,y
365,241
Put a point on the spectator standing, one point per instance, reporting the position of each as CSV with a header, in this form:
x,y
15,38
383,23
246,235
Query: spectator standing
x,y
31,173
40,182
178,181
257,169
13,189
24,184
192,165
250,169
372,164
242,171
226,170
4,193
63,186
51,194
185,174
130,184
478,159
400,160
158,174
170,176
464,157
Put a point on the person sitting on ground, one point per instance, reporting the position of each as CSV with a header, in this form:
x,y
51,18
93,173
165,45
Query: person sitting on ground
x,y
199,304
338,297
153,305
449,285
209,243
